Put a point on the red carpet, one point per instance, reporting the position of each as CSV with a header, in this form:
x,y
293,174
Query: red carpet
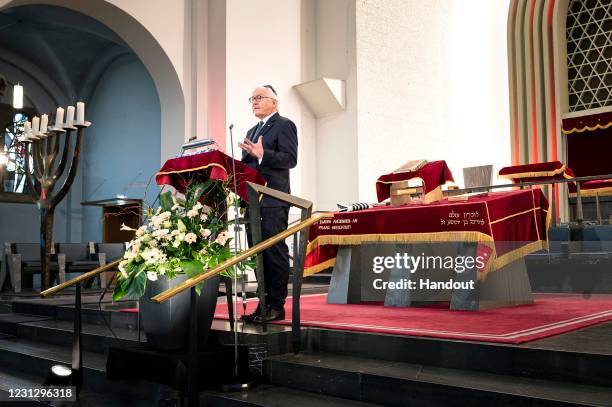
x,y
551,314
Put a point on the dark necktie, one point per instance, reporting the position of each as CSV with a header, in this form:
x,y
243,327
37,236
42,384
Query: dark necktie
x,y
257,131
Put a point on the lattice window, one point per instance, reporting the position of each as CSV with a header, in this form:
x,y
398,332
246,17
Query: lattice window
x,y
589,54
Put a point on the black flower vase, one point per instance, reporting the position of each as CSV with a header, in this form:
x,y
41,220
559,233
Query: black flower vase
x,y
167,324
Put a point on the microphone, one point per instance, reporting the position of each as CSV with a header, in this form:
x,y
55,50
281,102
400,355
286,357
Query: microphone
x,y
231,126
196,143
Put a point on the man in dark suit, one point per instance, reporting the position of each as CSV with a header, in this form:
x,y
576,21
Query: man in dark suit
x,y
271,148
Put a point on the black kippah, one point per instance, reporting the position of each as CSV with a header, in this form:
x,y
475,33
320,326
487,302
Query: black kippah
x,y
271,88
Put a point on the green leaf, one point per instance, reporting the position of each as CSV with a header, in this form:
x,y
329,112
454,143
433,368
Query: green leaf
x,y
119,291
200,189
198,288
136,288
230,272
191,267
165,201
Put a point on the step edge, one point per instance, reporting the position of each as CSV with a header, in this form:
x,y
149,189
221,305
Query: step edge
x,y
432,380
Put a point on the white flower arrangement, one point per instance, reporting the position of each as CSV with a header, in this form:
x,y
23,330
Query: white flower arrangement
x,y
179,237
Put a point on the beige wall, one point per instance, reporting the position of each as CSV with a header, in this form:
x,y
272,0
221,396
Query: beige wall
x,y
336,135
402,50
166,21
264,46
432,84
478,94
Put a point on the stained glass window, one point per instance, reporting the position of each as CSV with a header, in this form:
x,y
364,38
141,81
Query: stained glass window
x,y
13,176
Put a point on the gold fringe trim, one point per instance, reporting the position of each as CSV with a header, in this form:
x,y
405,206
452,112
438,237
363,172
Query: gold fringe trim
x,y
535,218
514,255
468,236
489,218
192,169
549,215
585,128
202,168
534,174
592,192
319,267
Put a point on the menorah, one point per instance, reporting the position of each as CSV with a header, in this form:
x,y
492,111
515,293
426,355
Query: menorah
x,y
42,147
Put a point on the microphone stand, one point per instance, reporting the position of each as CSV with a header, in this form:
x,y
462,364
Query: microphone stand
x,y
237,236
244,383
236,242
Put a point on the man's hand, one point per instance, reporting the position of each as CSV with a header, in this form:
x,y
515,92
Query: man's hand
x,y
255,149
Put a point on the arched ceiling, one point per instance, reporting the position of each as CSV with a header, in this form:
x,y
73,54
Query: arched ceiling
x,y
71,48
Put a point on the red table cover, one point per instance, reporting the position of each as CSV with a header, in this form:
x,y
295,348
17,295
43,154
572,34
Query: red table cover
x,y
214,164
536,172
519,217
433,174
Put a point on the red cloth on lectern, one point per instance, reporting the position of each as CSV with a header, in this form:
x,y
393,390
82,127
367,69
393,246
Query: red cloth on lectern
x,y
433,174
215,165
511,224
536,172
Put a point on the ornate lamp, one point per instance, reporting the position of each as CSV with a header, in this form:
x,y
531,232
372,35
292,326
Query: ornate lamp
x,y
48,150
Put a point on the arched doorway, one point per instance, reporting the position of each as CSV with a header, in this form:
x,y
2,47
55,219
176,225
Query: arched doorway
x,y
123,48
152,55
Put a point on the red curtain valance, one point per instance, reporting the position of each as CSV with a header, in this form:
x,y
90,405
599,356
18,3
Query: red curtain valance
x,y
587,123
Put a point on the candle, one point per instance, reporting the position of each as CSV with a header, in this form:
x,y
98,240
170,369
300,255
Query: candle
x,y
59,117
18,96
27,130
44,122
36,125
80,112
70,116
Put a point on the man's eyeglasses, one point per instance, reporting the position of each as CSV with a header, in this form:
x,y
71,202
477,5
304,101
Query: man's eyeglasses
x,y
258,98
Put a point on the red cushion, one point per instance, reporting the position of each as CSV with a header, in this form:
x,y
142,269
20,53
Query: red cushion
x,y
592,188
536,172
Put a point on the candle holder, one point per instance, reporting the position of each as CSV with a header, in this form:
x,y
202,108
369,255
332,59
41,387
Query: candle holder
x,y
50,154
